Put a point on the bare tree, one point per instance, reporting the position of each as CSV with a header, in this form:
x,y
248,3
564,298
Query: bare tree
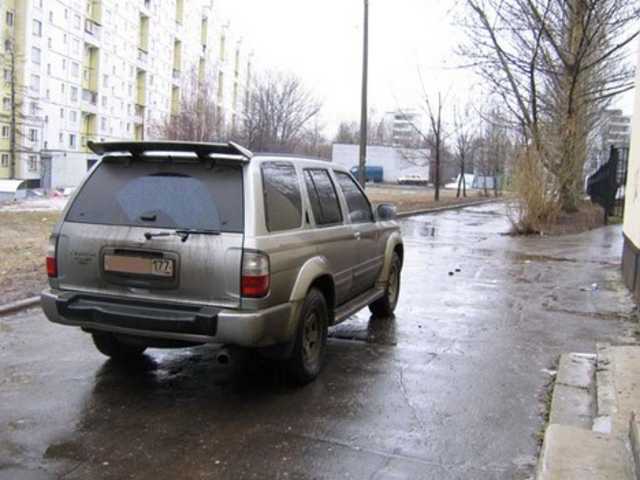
x,y
555,64
464,142
436,139
348,133
279,114
314,143
22,117
378,132
196,118
433,137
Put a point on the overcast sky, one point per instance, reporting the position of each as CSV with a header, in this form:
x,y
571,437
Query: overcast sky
x,y
321,42
411,43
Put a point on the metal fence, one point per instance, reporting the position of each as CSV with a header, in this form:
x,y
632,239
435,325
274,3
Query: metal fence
x,y
606,186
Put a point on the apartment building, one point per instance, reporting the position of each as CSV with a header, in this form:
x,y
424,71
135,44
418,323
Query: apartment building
x,y
403,127
100,70
631,226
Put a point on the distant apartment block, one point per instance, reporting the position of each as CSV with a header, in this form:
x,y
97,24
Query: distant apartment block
x,y
101,70
404,127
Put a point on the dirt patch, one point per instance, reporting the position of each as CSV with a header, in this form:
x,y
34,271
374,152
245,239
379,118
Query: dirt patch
x,y
587,217
24,237
414,199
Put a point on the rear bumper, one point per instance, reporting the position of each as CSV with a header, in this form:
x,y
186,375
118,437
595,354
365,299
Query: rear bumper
x,y
188,323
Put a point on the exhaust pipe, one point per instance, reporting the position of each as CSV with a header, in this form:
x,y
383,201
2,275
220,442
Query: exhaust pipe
x,y
223,357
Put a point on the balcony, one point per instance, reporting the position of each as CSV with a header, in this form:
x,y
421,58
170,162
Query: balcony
x,y
143,57
89,101
93,32
138,117
144,6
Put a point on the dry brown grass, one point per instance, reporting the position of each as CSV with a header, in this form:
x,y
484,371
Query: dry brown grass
x,y
412,199
24,236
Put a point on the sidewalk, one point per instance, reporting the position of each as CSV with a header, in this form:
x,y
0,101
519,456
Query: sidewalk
x,y
593,430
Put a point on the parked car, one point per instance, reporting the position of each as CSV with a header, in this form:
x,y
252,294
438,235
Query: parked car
x,y
179,244
413,179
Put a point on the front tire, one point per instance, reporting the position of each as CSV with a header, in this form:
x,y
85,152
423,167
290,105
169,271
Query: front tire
x,y
109,345
384,306
311,339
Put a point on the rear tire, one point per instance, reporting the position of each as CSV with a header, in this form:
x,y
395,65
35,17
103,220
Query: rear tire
x,y
310,343
109,345
384,306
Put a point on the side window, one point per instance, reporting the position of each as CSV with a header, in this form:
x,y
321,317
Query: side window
x,y
359,207
282,201
323,197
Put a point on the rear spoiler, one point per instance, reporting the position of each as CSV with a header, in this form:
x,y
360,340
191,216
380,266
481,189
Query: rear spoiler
x,y
204,151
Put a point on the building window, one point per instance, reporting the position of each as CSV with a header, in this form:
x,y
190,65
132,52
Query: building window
x,y
35,55
72,140
37,28
33,163
33,135
75,70
9,19
5,159
6,103
74,94
35,82
73,115
5,131
7,75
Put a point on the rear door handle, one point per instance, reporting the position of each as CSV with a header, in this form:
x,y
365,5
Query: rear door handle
x,y
357,235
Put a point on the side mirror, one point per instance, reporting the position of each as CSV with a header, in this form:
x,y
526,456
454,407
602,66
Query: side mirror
x,y
386,212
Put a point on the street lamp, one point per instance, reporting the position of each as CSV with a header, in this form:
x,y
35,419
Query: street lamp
x,y
363,112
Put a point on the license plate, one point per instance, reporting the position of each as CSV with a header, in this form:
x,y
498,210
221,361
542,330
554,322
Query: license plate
x,y
156,267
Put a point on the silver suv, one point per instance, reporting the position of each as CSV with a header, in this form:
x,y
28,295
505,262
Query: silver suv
x,y
179,244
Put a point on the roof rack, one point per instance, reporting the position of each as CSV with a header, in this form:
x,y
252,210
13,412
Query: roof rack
x,y
204,151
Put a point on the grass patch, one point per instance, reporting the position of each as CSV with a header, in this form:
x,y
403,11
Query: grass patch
x,y
413,199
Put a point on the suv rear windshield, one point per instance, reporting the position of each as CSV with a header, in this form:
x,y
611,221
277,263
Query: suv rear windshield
x,y
162,195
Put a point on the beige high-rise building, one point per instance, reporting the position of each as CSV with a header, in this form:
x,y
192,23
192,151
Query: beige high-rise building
x,y
98,70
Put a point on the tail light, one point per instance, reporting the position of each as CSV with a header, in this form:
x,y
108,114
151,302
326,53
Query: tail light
x,y
52,261
255,275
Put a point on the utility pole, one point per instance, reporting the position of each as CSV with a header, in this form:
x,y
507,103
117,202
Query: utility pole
x,y
363,112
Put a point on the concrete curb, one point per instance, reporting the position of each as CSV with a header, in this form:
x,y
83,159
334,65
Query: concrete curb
x,y
605,391
447,207
19,305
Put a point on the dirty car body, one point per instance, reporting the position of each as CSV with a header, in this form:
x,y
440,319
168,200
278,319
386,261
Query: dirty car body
x,y
179,244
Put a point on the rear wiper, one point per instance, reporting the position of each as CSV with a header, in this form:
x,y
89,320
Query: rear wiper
x,y
183,233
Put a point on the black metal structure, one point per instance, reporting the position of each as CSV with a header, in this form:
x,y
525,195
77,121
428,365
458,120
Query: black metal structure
x,y
606,186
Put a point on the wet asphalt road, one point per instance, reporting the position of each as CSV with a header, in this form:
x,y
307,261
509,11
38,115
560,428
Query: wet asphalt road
x,y
452,388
